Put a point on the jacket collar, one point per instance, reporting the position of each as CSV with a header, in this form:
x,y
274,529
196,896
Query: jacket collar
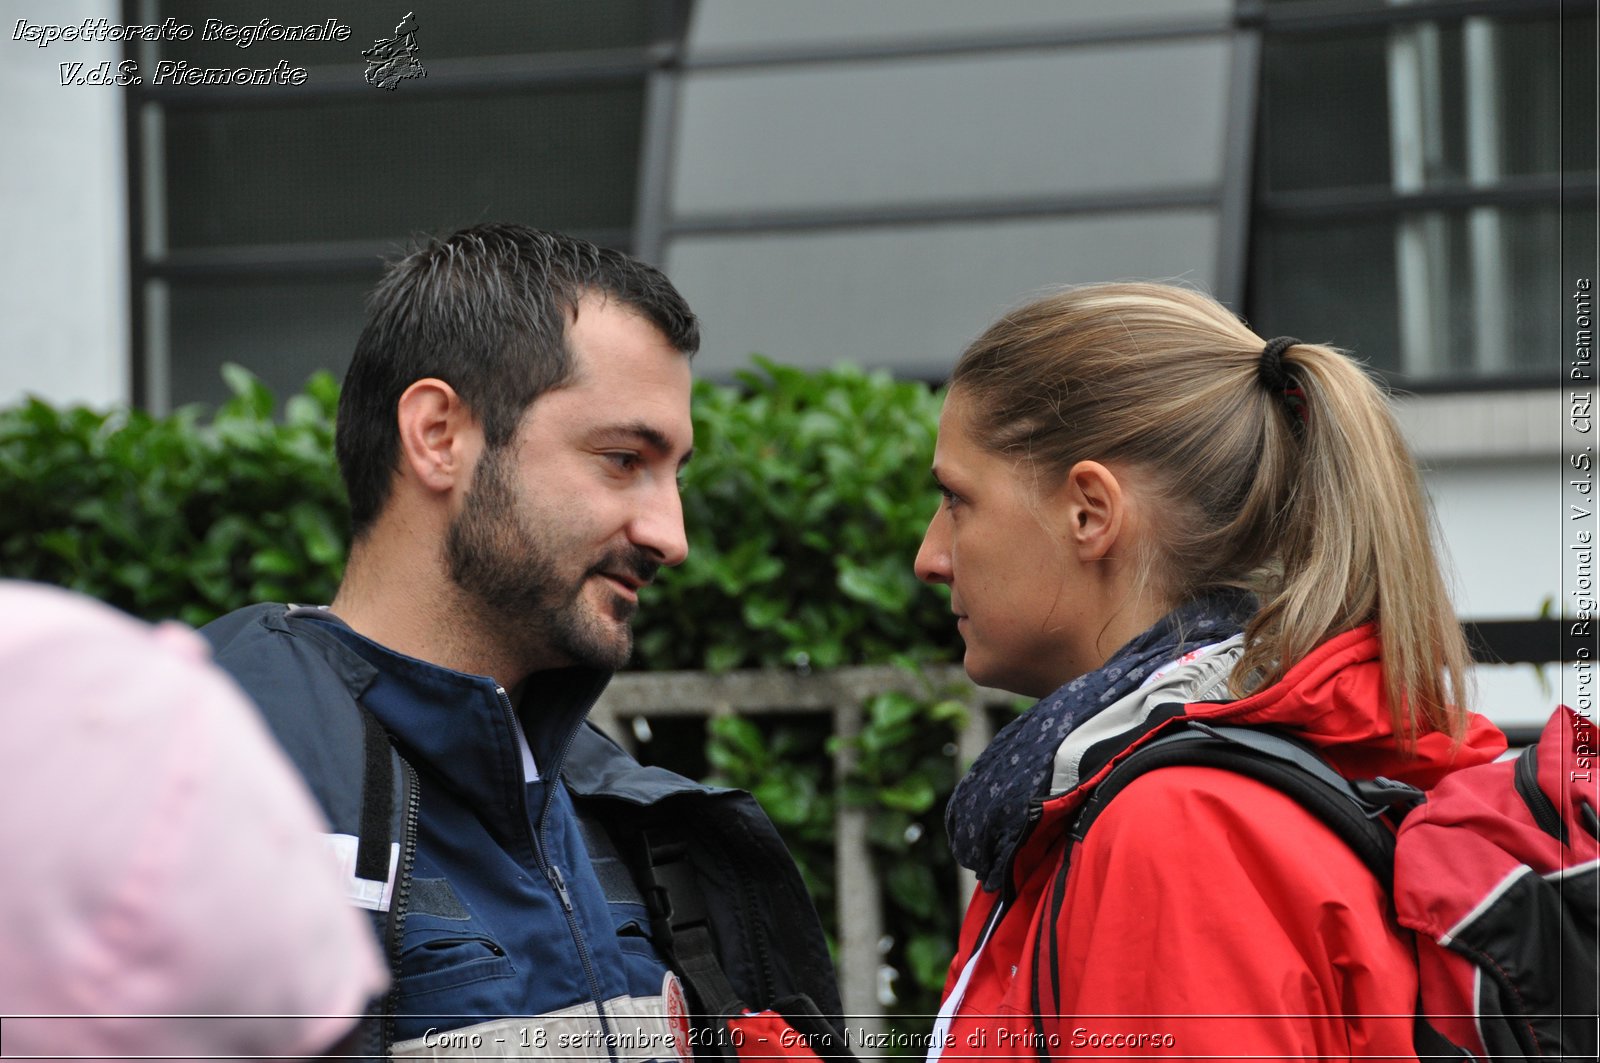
x,y
1333,699
457,726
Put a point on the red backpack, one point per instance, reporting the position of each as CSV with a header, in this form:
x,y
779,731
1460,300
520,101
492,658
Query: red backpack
x,y
1498,872
1496,869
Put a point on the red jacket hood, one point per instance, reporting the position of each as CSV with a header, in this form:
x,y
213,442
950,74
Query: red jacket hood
x,y
1334,699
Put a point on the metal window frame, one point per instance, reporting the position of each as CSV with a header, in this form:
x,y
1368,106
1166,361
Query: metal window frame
x,y
133,141
1354,202
895,215
669,37
1233,195
666,60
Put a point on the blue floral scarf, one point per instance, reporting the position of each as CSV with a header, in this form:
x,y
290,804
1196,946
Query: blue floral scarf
x,y
988,810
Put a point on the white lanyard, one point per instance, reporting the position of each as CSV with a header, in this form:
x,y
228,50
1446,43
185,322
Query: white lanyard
x,y
952,1003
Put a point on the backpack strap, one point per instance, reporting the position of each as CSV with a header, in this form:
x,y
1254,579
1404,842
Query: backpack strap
x,y
660,878
1353,811
680,923
788,1028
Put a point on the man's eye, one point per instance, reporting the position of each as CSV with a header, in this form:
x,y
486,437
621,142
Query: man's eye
x,y
626,460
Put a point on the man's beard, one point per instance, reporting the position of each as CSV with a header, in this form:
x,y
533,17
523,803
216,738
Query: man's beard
x,y
511,568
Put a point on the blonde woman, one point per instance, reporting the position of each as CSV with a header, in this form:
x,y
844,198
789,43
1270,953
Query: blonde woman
x,y
1150,513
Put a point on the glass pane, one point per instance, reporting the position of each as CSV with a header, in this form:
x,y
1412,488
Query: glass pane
x,y
1536,56
1329,283
910,298
383,168
444,30
969,127
1324,112
281,331
737,24
1420,104
1428,298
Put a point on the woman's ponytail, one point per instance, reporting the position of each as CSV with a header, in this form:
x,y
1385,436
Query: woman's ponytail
x,y
1355,543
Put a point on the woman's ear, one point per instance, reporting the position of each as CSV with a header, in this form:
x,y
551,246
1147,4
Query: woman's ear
x,y
1094,507
439,436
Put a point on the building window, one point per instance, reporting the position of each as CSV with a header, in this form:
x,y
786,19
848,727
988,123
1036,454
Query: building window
x,y
1423,176
262,213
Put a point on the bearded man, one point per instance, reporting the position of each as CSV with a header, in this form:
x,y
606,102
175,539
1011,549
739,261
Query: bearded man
x,y
510,433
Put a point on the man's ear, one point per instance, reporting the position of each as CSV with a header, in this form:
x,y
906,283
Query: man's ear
x,y
440,439
1094,505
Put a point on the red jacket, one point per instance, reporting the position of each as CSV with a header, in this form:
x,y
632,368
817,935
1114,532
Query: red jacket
x,y
1206,914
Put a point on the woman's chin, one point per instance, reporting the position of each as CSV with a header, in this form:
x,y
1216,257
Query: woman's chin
x,y
986,672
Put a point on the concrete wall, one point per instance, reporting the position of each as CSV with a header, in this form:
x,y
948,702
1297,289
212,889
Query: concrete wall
x,y
63,280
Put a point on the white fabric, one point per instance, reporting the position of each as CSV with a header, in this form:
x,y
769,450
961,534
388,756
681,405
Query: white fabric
x,y
365,893
530,767
637,1030
952,1004
1202,679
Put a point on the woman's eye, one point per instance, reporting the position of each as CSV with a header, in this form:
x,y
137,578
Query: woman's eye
x,y
949,496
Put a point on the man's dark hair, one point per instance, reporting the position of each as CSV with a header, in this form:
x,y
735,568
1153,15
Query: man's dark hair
x,y
485,310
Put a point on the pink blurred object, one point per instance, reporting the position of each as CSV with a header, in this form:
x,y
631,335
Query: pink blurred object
x,y
165,889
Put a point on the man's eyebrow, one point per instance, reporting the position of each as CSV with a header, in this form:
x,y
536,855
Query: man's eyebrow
x,y
647,434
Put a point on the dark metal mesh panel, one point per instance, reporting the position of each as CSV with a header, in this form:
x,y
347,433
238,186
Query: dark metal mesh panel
x,y
387,167
1326,101
1324,113
1336,281
444,30
1329,283
280,330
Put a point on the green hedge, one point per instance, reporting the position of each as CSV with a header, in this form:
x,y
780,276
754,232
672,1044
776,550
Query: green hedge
x,y
175,517
805,503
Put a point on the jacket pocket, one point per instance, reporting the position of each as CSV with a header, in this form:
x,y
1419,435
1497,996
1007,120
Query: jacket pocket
x,y
450,961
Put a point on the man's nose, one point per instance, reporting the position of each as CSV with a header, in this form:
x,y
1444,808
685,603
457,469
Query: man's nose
x,y
659,528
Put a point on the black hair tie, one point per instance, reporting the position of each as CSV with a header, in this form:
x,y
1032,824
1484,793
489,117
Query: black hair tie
x,y
1275,377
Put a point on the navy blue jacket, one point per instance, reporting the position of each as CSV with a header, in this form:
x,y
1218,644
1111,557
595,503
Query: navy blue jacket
x,y
519,900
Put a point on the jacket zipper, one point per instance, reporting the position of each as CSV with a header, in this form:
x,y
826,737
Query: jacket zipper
x,y
1035,812
1525,777
400,902
539,839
